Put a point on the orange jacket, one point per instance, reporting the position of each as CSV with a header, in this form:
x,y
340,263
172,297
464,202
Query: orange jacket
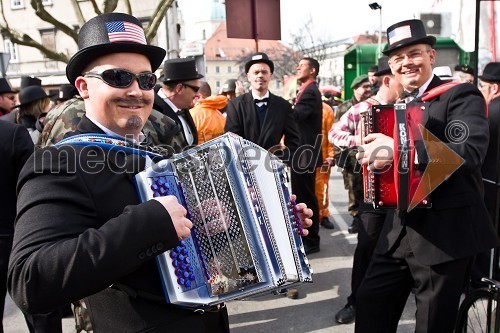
x,y
208,119
328,120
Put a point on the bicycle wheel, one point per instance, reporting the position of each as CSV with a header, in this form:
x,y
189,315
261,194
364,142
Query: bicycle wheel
x,y
477,313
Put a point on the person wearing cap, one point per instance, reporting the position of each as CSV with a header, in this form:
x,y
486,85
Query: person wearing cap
x,y
346,133
81,234
208,119
428,250
464,73
228,89
259,115
353,181
180,83
7,97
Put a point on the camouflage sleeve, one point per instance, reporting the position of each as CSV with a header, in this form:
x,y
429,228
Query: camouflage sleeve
x,y
60,120
164,132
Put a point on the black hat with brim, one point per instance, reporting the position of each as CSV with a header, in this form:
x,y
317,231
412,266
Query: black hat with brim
x,y
180,69
111,33
383,67
491,72
259,57
5,86
31,94
405,33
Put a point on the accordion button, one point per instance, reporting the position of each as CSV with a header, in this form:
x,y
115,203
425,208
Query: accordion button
x,y
178,249
187,260
178,272
184,251
175,263
183,266
181,257
187,283
183,243
192,277
185,275
173,254
181,281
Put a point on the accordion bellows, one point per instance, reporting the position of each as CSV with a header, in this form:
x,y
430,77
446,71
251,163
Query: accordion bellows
x,y
246,238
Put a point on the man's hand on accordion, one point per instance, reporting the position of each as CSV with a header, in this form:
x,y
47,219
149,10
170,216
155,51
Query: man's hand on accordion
x,y
305,215
376,152
177,213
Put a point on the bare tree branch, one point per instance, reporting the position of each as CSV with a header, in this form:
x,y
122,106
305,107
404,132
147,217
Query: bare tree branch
x,y
96,7
45,16
26,40
129,7
156,18
78,12
109,6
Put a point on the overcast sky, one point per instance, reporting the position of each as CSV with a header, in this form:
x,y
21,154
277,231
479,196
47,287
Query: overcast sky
x,y
333,19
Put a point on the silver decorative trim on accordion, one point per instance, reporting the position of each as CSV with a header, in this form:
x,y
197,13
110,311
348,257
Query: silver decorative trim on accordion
x,y
246,234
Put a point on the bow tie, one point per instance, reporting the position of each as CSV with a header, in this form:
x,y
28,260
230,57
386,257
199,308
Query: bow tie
x,y
181,112
264,100
407,94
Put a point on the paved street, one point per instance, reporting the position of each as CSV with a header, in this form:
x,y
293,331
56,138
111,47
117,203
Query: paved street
x,y
314,310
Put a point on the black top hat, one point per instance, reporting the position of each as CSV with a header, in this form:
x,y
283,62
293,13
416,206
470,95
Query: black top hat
x,y
491,72
406,33
27,81
66,91
228,86
180,69
383,67
465,69
257,58
5,86
31,94
111,33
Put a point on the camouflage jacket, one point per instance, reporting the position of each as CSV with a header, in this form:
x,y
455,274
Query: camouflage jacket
x,y
160,130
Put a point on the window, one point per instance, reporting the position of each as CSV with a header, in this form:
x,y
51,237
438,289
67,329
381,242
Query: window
x,y
217,69
217,84
11,48
229,69
48,37
15,4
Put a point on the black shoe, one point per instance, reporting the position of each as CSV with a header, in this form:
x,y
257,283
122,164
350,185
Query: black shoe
x,y
346,315
325,222
311,249
354,228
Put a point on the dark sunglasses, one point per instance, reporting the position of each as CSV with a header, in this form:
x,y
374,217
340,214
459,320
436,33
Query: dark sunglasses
x,y
195,88
120,78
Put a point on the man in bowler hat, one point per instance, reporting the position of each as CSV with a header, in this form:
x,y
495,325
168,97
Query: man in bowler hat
x,y
7,97
259,115
180,83
428,250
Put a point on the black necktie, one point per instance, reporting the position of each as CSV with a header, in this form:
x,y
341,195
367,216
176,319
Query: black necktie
x,y
181,112
264,100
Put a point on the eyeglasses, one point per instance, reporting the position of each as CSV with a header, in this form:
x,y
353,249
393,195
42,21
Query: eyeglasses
x,y
11,97
121,78
195,88
412,55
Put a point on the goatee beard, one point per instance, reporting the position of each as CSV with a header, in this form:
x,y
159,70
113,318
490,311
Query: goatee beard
x,y
134,123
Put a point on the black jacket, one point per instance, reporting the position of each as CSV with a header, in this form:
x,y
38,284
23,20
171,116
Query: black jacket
x,y
458,224
278,122
81,229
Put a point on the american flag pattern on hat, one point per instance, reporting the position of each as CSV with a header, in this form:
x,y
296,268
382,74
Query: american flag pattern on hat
x,y
399,33
121,31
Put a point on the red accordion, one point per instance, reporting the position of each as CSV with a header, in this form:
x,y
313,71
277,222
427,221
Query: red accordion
x,y
395,186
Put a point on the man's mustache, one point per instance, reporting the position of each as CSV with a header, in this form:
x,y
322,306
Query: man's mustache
x,y
133,101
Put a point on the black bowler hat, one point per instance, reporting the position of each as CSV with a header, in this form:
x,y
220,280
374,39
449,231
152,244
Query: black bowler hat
x,y
406,33
31,94
464,69
257,58
491,72
27,81
5,86
383,67
111,33
180,69
66,91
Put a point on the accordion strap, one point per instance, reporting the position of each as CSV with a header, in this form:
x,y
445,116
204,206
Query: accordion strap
x,y
110,142
435,92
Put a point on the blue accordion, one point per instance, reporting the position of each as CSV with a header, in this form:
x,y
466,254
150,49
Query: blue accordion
x,y
246,238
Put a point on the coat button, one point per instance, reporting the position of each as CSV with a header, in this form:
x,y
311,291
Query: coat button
x,y
159,246
149,253
142,256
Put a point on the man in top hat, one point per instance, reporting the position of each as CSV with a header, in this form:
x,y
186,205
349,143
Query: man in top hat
x,y
346,133
180,85
7,97
27,81
81,233
464,73
259,115
428,250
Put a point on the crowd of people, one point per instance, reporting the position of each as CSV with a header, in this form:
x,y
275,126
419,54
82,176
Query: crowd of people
x,y
64,226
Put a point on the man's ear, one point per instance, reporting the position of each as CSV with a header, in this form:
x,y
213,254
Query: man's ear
x,y
81,85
